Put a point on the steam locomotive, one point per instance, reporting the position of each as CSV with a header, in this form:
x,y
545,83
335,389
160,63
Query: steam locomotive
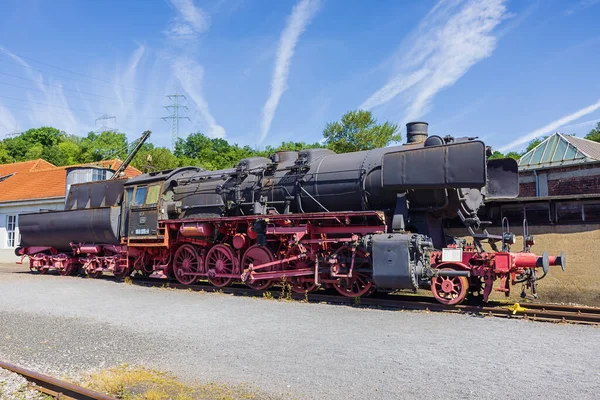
x,y
353,222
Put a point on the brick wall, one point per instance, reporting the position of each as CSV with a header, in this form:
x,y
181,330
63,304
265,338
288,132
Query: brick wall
x,y
577,185
527,189
563,186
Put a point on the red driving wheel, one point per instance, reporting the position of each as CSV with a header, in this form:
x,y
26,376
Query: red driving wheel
x,y
449,290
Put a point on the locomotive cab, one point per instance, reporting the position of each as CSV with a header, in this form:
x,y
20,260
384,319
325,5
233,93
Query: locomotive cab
x,y
147,200
141,206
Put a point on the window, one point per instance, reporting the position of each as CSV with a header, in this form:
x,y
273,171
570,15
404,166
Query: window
x,y
11,225
153,194
592,212
98,174
140,196
128,196
569,212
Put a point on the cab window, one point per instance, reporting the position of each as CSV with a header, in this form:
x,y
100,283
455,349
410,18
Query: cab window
x,y
140,195
128,196
153,194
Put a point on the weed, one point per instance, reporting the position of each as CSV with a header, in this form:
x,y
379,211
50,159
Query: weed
x,y
128,280
286,290
133,383
356,301
268,295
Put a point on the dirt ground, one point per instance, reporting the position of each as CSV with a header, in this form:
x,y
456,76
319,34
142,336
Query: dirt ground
x,y
580,283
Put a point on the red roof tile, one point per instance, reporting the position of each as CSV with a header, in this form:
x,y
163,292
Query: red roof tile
x,y
39,179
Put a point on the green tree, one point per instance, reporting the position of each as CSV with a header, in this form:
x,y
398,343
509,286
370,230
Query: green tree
x,y
514,154
150,158
103,146
26,146
200,150
5,157
594,134
34,152
532,144
496,155
358,130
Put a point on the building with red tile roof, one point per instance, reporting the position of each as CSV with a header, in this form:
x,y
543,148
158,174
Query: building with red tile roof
x,y
31,186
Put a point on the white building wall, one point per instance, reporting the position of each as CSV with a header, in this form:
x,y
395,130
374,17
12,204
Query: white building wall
x,y
7,254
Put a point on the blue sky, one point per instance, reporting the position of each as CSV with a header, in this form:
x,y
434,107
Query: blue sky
x,y
262,72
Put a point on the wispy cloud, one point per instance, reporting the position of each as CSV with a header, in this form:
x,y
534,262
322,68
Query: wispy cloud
x,y
453,36
552,126
61,115
189,21
129,104
7,121
580,5
187,26
190,75
579,124
301,15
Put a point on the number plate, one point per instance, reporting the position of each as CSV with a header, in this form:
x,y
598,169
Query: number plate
x,y
451,255
145,231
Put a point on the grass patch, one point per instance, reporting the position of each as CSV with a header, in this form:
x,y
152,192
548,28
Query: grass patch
x,y
140,383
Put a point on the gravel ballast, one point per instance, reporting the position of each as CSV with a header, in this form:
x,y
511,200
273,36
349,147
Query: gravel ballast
x,y
65,326
14,386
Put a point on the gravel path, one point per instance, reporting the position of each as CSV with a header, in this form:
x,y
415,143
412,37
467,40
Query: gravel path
x,y
62,325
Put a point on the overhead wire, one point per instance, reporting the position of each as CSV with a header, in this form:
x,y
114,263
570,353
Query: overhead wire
x,y
72,72
30,109
43,104
104,83
62,88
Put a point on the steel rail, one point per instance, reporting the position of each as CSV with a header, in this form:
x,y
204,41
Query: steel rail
x,y
55,387
530,311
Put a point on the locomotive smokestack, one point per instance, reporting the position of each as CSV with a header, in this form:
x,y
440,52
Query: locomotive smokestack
x,y
416,132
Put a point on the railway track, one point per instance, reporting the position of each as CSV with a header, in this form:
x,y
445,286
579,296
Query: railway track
x,y
53,387
529,311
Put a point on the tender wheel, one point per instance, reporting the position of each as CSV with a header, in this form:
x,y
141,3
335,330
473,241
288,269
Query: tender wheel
x,y
257,255
64,265
360,284
220,260
300,284
186,259
449,290
122,273
91,270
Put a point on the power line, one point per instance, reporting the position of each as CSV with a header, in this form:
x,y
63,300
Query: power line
x,y
79,73
34,110
69,77
54,74
59,87
43,104
175,117
57,112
